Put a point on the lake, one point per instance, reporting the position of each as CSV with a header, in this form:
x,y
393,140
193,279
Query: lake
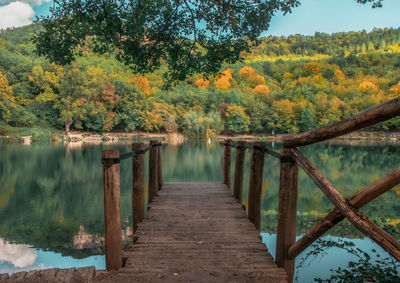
x,y
51,199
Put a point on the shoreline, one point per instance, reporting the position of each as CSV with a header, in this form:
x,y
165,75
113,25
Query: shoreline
x,y
75,137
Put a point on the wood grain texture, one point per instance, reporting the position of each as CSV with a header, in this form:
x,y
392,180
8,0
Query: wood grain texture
x,y
198,232
159,172
239,170
153,171
138,184
255,183
287,209
364,119
358,200
69,275
357,218
226,163
112,211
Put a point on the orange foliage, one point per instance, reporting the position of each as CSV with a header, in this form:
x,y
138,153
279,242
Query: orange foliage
x,y
396,88
109,121
142,84
109,95
340,75
367,85
202,83
262,90
224,80
311,68
249,73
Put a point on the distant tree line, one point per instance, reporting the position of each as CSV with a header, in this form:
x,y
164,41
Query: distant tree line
x,y
286,85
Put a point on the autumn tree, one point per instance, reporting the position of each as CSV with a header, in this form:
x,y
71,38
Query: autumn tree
x,y
7,100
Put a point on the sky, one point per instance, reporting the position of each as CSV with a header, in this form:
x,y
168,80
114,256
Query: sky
x,y
312,16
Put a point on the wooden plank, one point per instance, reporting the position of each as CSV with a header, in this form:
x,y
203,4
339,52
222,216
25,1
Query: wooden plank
x,y
364,119
226,163
138,184
199,235
112,210
358,200
255,184
287,208
153,170
159,160
357,218
239,170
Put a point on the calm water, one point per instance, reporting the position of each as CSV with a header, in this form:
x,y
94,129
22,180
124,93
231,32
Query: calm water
x,y
51,200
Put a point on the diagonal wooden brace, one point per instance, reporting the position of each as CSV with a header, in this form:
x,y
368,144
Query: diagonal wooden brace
x,y
358,200
357,218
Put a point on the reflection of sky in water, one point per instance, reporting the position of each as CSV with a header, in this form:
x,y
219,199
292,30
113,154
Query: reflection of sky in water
x,y
16,257
319,266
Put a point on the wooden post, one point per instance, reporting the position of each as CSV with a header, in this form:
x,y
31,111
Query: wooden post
x,y
160,177
112,213
226,163
153,168
138,184
255,184
286,231
239,168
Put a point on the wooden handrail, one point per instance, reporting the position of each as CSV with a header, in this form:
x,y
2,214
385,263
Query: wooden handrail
x,y
357,218
364,119
358,200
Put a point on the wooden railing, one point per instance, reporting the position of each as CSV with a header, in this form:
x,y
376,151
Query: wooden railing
x,y
111,181
287,248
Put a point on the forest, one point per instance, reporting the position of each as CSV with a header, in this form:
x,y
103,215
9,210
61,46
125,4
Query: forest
x,y
284,85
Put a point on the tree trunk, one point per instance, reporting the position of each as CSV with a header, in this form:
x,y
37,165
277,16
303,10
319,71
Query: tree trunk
x,y
68,124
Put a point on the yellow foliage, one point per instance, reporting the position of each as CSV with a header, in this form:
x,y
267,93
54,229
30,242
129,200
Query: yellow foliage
x,y
262,90
311,68
340,75
367,86
396,88
247,71
224,80
142,84
5,89
202,83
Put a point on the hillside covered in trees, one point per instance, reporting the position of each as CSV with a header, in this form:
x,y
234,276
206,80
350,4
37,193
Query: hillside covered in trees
x,y
286,85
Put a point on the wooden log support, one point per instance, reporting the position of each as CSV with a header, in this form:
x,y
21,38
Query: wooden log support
x,y
112,212
358,200
255,184
357,218
159,172
364,119
239,169
226,163
286,230
138,184
153,168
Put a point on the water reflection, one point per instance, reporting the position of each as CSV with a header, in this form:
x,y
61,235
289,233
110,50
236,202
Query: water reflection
x,y
51,198
20,256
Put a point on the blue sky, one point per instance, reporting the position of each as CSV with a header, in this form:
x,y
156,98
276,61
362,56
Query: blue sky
x,y
313,15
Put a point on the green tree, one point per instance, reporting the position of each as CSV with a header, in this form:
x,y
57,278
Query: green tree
x,y
236,120
191,36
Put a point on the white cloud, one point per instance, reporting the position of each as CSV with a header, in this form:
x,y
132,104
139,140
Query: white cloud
x,y
19,255
16,14
30,2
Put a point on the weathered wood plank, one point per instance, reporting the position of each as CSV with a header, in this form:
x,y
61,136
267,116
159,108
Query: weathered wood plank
x,y
364,119
112,210
357,218
358,200
205,232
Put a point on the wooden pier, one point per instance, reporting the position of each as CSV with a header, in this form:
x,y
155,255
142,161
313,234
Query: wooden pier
x,y
199,232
